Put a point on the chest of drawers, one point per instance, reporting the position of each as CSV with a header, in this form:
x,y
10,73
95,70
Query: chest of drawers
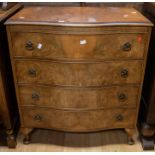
x,y
78,69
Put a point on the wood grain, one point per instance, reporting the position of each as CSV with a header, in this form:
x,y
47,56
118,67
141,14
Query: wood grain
x,y
77,47
64,68
78,74
77,120
78,98
79,16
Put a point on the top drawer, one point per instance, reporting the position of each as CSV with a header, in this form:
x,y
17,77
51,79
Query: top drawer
x,y
78,47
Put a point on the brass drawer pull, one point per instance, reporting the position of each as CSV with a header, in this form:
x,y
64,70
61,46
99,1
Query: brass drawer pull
x,y
29,45
119,117
124,73
35,96
122,97
127,47
37,118
32,72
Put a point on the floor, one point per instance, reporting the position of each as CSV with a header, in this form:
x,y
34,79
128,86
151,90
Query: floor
x,y
53,141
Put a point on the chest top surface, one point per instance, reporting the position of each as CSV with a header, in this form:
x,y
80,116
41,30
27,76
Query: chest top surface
x,y
79,16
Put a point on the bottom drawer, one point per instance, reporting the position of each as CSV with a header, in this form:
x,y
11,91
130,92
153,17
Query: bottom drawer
x,y
78,121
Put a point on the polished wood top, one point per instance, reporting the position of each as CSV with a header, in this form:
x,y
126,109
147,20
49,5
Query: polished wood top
x,y
6,13
79,16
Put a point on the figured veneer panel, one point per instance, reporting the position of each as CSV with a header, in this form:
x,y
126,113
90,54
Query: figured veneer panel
x,y
78,120
79,74
79,98
98,47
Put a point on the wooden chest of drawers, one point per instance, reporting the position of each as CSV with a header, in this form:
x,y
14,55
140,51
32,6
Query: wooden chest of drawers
x,y
78,69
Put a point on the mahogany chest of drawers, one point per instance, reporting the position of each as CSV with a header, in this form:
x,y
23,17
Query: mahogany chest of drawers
x,y
78,69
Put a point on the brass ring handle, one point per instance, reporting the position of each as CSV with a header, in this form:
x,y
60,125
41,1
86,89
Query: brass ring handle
x,y
37,118
29,45
122,97
124,73
127,46
32,72
119,117
35,96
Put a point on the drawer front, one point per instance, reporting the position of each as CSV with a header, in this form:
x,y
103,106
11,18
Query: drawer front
x,y
79,98
108,46
79,74
78,120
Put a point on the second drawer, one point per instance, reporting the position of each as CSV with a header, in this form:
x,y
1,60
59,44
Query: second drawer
x,y
79,73
79,98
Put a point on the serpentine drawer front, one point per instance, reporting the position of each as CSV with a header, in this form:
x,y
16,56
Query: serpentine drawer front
x,y
78,120
108,46
77,69
89,98
79,74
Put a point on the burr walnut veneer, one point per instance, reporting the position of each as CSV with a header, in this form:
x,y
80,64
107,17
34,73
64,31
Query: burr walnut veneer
x,y
78,69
